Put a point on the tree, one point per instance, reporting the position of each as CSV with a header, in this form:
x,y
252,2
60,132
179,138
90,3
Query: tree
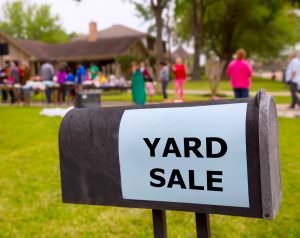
x,y
32,21
294,2
153,9
191,27
261,27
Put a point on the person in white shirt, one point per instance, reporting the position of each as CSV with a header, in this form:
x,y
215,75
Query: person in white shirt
x,y
293,78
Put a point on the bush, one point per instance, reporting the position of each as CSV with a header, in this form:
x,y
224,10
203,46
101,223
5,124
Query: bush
x,y
125,62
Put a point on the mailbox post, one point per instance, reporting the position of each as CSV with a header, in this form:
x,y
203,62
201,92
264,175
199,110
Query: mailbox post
x,y
217,157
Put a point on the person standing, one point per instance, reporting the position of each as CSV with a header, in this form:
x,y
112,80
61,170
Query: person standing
x,y
164,77
61,76
70,80
293,78
25,69
14,78
138,86
148,80
94,70
240,72
3,78
47,74
80,76
179,72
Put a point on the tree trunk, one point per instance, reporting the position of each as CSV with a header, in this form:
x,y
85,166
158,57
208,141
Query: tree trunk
x,y
197,11
196,61
226,58
159,40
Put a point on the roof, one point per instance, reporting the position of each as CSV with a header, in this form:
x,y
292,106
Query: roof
x,y
104,48
13,41
115,31
112,42
181,52
37,49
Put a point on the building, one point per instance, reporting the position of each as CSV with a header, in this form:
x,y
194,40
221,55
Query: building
x,y
101,47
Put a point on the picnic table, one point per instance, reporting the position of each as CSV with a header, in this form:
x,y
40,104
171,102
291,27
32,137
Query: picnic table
x,y
31,87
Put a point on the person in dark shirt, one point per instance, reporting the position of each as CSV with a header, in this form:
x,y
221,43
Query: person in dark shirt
x,y
47,73
71,82
3,78
148,81
14,78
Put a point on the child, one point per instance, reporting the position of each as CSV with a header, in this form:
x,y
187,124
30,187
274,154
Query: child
x,y
164,77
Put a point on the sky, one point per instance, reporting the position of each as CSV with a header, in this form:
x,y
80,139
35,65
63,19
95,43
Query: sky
x,y
75,16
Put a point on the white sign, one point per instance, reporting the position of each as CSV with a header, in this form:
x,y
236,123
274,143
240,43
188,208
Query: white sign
x,y
185,154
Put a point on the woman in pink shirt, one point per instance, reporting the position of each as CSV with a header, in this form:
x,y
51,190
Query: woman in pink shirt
x,y
240,72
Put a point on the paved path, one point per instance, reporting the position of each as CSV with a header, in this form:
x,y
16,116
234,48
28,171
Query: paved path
x,y
229,93
283,110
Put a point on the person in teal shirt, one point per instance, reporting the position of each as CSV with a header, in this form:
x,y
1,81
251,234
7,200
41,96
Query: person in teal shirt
x,y
138,86
94,70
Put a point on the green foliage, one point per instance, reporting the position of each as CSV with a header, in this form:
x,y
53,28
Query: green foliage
x,y
32,21
261,27
183,20
74,35
143,11
125,62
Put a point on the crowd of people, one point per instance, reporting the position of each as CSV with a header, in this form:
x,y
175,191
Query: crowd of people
x,y
143,84
13,73
16,82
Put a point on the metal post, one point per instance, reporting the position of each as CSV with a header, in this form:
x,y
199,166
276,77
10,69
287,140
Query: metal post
x,y
202,225
159,223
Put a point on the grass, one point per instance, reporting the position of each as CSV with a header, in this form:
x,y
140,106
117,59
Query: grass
x,y
258,83
30,196
282,99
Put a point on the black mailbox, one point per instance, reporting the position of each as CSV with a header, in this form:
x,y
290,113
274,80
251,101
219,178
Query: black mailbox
x,y
88,99
102,162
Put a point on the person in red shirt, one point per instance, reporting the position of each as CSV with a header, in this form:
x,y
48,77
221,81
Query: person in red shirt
x,y
179,79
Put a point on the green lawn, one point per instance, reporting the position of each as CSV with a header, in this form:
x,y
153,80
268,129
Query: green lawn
x,y
258,83
117,96
30,196
282,99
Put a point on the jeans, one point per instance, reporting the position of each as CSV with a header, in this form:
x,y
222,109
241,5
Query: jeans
x,y
164,85
48,93
12,96
241,92
294,89
62,93
4,95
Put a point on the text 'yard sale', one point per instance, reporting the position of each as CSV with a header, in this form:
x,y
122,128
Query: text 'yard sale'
x,y
191,145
